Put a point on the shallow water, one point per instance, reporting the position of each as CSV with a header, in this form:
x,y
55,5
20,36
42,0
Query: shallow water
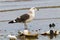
x,y
6,29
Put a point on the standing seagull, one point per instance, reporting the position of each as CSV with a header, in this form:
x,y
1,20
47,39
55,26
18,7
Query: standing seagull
x,y
25,18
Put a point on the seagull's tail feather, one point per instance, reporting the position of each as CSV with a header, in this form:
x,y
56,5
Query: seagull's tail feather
x,y
17,20
11,21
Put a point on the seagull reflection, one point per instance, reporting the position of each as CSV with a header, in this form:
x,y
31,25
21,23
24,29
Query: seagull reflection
x,y
26,38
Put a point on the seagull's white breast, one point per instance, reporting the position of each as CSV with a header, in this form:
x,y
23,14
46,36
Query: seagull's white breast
x,y
31,17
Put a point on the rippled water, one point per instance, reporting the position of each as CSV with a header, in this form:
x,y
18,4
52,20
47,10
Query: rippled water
x,y
6,29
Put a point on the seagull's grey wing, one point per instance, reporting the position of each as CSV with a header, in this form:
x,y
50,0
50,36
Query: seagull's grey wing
x,y
24,17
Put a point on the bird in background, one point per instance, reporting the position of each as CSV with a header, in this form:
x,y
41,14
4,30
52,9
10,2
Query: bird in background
x,y
52,25
25,18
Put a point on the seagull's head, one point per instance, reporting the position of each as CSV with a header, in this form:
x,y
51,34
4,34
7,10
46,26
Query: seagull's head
x,y
33,9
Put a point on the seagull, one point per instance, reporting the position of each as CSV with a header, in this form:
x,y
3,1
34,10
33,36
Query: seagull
x,y
25,18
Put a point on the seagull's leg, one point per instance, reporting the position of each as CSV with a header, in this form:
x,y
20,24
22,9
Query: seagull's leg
x,y
25,24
